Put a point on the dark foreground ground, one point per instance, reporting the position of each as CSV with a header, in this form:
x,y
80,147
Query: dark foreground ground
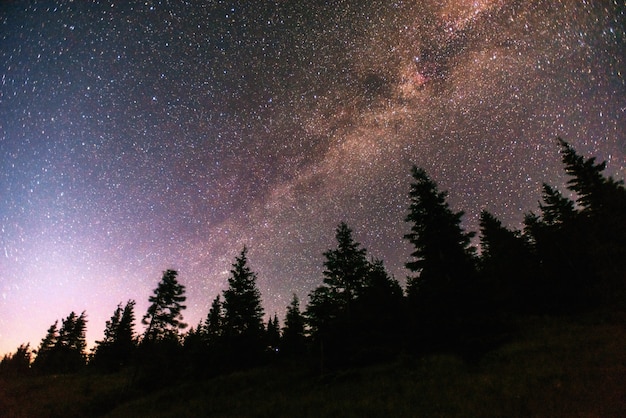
x,y
565,367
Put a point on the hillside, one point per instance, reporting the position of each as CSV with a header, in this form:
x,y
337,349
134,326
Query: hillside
x,y
554,367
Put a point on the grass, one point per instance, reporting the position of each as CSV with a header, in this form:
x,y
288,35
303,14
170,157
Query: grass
x,y
556,368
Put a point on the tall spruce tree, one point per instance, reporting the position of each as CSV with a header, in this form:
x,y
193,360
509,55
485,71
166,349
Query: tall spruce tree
x,y
118,345
63,350
346,266
556,209
214,323
443,258
507,267
164,316
580,247
443,263
345,276
273,333
600,230
243,313
379,312
333,315
71,344
293,339
16,364
596,193
43,361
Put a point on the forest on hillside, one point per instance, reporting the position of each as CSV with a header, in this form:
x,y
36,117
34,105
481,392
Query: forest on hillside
x,y
570,257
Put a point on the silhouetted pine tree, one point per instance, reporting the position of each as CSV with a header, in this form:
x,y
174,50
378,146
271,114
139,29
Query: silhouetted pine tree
x,y
195,351
508,269
160,352
293,339
164,316
273,333
602,223
43,361
119,343
16,364
581,248
596,193
443,261
379,314
214,323
63,351
207,349
336,328
556,209
243,314
71,345
323,309
345,274
346,267
565,273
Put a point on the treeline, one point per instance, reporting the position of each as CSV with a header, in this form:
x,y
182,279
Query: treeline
x,y
570,257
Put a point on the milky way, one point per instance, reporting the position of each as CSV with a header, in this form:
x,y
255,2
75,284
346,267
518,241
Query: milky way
x,y
142,136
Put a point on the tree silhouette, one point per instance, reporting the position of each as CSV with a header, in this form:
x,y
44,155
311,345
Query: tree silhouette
x,y
322,310
164,316
508,268
293,339
118,345
379,313
556,209
443,262
273,333
16,364
357,307
43,361
243,313
596,193
345,275
63,350
443,256
71,344
346,266
214,323
581,248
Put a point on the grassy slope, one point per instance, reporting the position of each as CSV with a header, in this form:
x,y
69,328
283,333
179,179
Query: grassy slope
x,y
558,367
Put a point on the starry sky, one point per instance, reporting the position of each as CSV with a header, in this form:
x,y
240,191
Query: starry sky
x,y
138,136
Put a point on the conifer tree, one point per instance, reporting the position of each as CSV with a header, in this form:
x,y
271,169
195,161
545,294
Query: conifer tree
x,y
16,364
596,193
293,332
214,323
42,362
322,310
556,209
164,316
443,263
345,276
346,266
243,313
507,267
580,247
63,350
379,312
443,258
598,237
334,314
71,344
273,333
118,345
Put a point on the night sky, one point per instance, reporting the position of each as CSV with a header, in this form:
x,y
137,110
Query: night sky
x,y
142,136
